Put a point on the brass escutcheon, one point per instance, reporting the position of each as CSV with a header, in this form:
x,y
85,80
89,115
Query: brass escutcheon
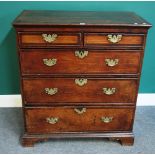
x,y
111,62
51,91
49,38
109,91
50,62
80,110
52,120
106,119
114,38
81,82
81,54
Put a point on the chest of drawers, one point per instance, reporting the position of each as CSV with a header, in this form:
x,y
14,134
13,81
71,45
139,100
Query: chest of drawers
x,y
80,73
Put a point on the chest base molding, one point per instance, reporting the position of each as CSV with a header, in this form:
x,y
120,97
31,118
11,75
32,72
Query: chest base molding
x,y
126,138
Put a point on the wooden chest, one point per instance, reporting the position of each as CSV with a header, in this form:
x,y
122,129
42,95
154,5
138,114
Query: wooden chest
x,y
80,73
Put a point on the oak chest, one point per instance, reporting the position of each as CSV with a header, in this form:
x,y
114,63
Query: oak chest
x,y
80,73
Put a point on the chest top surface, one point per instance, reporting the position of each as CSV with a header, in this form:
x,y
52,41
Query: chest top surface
x,y
77,18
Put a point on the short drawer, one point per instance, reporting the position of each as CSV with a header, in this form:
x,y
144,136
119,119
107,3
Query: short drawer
x,y
48,39
80,62
67,91
73,119
113,40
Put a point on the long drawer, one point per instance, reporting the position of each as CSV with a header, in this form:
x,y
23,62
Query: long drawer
x,y
50,91
74,119
80,62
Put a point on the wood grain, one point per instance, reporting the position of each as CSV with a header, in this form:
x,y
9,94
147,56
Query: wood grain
x,y
99,18
36,39
70,121
126,138
69,92
101,39
94,63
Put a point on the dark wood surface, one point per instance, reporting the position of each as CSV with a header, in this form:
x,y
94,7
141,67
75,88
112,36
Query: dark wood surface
x,y
71,121
101,40
36,39
31,17
79,31
69,92
84,29
92,40
93,63
125,138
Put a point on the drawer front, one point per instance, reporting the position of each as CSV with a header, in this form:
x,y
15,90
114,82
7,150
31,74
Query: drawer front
x,y
49,39
52,91
113,40
73,119
73,62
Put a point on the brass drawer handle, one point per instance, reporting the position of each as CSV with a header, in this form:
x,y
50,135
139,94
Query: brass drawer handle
x,y
50,62
49,38
106,119
51,91
114,38
80,110
109,91
81,82
81,54
52,120
111,62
